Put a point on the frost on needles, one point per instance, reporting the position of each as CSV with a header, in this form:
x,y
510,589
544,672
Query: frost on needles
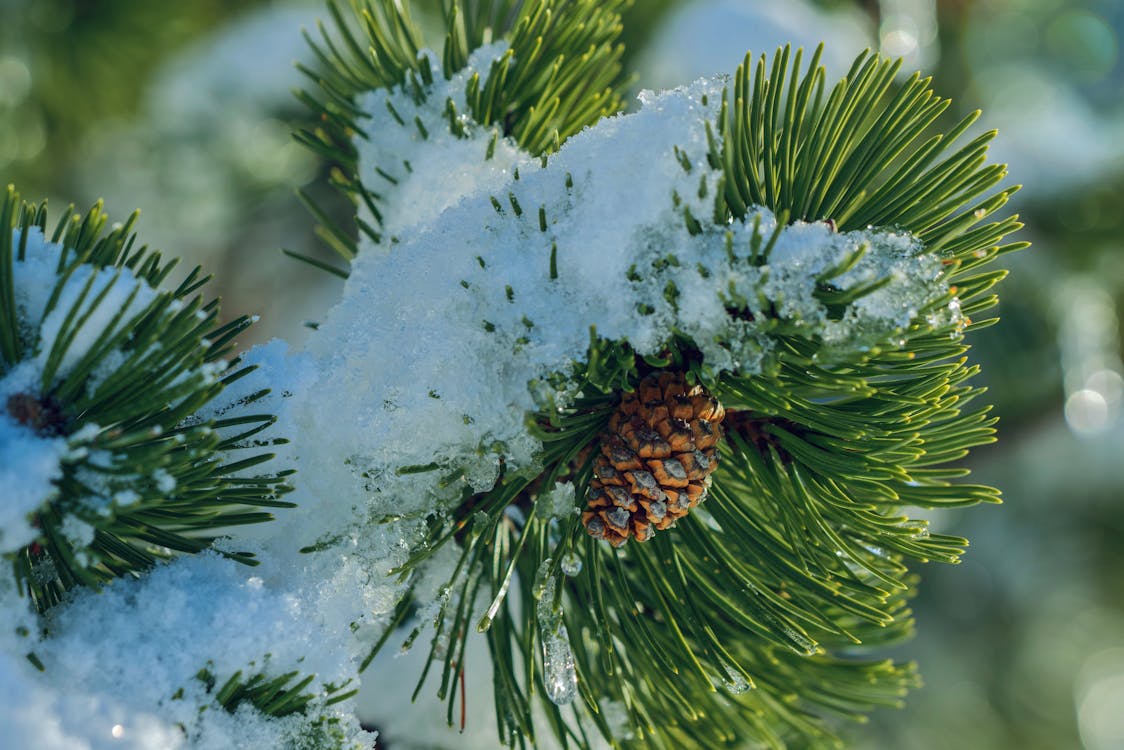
x,y
760,252
487,306
120,450
764,235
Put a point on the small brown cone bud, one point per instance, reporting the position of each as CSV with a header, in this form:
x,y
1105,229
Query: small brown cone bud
x,y
655,461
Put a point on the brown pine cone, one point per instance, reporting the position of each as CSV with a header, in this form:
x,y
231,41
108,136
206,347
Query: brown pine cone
x,y
656,457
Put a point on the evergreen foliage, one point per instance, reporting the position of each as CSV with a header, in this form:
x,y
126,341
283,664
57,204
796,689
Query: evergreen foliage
x,y
143,474
275,696
561,72
758,619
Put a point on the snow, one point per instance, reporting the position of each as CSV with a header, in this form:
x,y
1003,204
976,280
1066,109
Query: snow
x,y
90,305
54,308
420,380
87,304
34,272
469,316
64,312
446,340
28,466
33,715
115,661
139,684
408,138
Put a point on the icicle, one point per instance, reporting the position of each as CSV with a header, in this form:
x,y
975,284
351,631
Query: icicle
x,y
560,679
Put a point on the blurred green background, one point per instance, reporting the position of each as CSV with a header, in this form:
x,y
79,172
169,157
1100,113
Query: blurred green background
x,y
184,110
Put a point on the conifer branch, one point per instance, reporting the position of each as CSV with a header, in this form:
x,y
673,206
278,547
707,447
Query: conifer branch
x,y
561,71
115,373
763,610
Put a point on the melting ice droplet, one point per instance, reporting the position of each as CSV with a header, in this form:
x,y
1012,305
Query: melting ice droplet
x,y
544,582
571,564
559,678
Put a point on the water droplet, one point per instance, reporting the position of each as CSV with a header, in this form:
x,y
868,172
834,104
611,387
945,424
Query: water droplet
x,y
736,682
800,642
571,564
543,579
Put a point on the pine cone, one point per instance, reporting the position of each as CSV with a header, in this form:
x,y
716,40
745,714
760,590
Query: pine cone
x,y
656,458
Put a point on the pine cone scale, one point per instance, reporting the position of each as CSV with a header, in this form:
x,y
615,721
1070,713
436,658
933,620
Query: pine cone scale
x,y
655,461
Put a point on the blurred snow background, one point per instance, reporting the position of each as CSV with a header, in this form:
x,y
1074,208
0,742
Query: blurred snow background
x,y
184,111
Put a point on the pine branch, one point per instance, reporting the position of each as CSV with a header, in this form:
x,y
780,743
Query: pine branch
x,y
560,71
764,610
110,375
275,696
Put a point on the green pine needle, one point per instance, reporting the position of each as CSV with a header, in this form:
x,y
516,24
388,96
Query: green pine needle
x,y
865,154
562,72
275,696
757,621
142,470
284,695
